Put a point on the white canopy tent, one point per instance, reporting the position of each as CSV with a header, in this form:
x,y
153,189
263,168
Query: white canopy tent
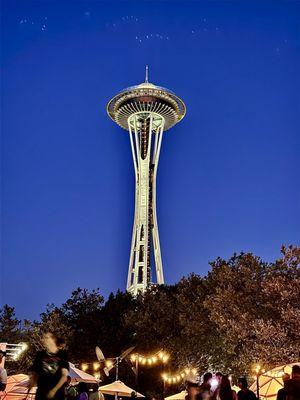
x,y
77,375
177,396
118,388
17,388
271,381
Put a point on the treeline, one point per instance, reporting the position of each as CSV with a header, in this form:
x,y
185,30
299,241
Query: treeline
x,y
244,311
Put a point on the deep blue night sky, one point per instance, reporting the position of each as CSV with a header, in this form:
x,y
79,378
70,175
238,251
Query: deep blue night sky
x,y
228,178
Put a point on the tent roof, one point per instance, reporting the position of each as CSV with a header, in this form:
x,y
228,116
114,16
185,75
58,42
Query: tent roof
x,y
271,381
177,396
17,387
118,388
77,375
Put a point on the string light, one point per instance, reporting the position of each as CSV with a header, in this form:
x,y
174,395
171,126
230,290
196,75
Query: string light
x,y
259,370
14,351
96,366
161,356
176,378
108,363
84,367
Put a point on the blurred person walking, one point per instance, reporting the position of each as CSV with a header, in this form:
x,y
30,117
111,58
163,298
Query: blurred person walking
x,y
245,393
225,390
281,394
50,370
292,386
192,389
205,392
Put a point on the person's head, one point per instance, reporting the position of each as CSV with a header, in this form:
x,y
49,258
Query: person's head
x,y
82,387
69,380
207,377
95,387
296,372
225,388
242,383
49,341
61,343
192,388
286,377
133,395
219,376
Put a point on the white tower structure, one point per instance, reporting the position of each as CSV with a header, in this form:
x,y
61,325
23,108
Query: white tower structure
x,y
146,111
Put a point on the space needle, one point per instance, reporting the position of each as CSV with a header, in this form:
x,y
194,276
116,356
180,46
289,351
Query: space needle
x,y
146,111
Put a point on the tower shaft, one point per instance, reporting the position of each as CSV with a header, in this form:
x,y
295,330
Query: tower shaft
x,y
145,131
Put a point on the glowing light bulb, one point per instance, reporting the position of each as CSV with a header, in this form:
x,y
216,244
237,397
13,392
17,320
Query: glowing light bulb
x,y
84,367
96,366
24,346
165,358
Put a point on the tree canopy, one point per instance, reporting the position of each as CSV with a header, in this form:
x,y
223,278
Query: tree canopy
x,y
244,311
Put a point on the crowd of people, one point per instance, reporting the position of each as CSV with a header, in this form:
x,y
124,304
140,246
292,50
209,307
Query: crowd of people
x,y
50,374
218,387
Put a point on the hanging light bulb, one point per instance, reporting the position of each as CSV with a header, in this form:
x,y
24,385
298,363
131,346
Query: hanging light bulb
x,y
96,366
165,358
84,367
108,363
